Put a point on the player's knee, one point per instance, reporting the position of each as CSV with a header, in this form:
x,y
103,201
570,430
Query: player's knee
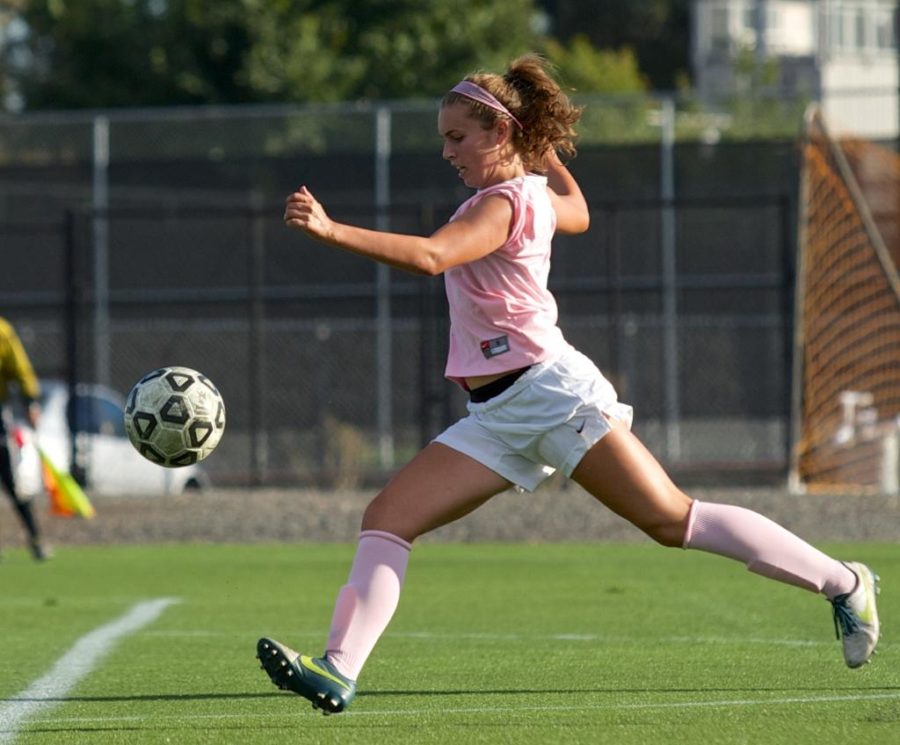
x,y
669,535
372,516
667,530
381,515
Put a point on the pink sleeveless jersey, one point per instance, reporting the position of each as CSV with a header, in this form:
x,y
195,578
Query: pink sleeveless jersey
x,y
502,316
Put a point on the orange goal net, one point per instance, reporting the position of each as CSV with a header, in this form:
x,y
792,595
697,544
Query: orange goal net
x,y
846,385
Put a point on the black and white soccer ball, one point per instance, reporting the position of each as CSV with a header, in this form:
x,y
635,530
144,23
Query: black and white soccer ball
x,y
174,416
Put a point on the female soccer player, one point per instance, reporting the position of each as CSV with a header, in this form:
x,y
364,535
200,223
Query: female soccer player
x,y
536,404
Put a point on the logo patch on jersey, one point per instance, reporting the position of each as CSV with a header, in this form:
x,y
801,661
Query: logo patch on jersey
x,y
493,347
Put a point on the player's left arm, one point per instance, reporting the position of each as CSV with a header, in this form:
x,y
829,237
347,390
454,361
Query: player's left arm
x,y
572,214
476,233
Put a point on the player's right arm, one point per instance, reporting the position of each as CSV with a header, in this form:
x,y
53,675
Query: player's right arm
x,y
479,231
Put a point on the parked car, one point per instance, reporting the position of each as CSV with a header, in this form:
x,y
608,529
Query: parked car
x,y
110,463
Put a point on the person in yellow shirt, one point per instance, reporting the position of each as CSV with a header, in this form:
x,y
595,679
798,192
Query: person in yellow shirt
x,y
15,367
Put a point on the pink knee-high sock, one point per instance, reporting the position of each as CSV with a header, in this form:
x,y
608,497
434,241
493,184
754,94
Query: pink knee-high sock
x,y
367,602
765,547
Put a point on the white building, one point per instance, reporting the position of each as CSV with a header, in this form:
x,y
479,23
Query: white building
x,y
842,53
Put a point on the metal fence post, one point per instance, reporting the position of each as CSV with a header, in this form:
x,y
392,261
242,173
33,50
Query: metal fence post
x,y
788,279
72,310
257,395
617,372
384,359
100,204
671,382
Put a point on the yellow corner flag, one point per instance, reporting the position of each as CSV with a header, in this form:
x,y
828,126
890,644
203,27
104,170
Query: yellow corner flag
x,y
67,499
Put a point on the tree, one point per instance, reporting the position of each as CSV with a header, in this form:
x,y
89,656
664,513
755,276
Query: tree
x,y
657,30
132,52
587,69
390,48
102,53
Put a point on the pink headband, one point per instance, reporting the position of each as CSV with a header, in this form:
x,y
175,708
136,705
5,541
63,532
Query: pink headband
x,y
477,93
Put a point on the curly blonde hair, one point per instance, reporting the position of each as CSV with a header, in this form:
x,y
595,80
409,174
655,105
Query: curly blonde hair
x,y
533,97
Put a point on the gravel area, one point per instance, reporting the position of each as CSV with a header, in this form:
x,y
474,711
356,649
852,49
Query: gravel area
x,y
566,514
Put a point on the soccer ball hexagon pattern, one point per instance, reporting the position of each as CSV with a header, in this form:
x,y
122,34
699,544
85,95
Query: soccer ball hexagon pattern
x,y
174,416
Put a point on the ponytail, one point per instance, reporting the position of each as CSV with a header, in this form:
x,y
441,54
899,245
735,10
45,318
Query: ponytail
x,y
536,101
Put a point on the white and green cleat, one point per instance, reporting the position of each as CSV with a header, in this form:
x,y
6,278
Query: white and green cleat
x,y
313,678
856,616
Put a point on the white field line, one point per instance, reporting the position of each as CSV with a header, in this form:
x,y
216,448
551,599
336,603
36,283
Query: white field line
x,y
506,709
74,665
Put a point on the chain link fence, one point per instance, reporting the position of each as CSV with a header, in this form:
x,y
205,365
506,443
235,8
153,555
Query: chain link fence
x,y
139,239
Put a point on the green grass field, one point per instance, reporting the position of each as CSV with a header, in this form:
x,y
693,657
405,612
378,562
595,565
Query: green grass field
x,y
491,644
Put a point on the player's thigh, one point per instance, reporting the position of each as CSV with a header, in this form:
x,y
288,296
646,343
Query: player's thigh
x,y
622,474
436,487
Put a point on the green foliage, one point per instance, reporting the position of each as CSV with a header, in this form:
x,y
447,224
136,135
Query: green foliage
x,y
99,53
132,52
422,48
756,109
380,50
657,30
109,53
301,56
621,119
752,74
590,70
762,117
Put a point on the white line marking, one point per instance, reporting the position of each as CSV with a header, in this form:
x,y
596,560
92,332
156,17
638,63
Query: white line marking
x,y
75,665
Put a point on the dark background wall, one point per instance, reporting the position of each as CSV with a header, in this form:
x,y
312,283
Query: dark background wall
x,y
203,273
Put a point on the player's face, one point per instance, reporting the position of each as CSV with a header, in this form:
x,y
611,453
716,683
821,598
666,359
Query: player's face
x,y
475,152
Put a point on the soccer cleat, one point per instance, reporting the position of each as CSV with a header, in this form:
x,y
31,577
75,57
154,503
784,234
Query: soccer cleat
x,y
856,617
313,678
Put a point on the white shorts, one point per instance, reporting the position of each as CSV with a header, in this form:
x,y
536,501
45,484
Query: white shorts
x,y
547,420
